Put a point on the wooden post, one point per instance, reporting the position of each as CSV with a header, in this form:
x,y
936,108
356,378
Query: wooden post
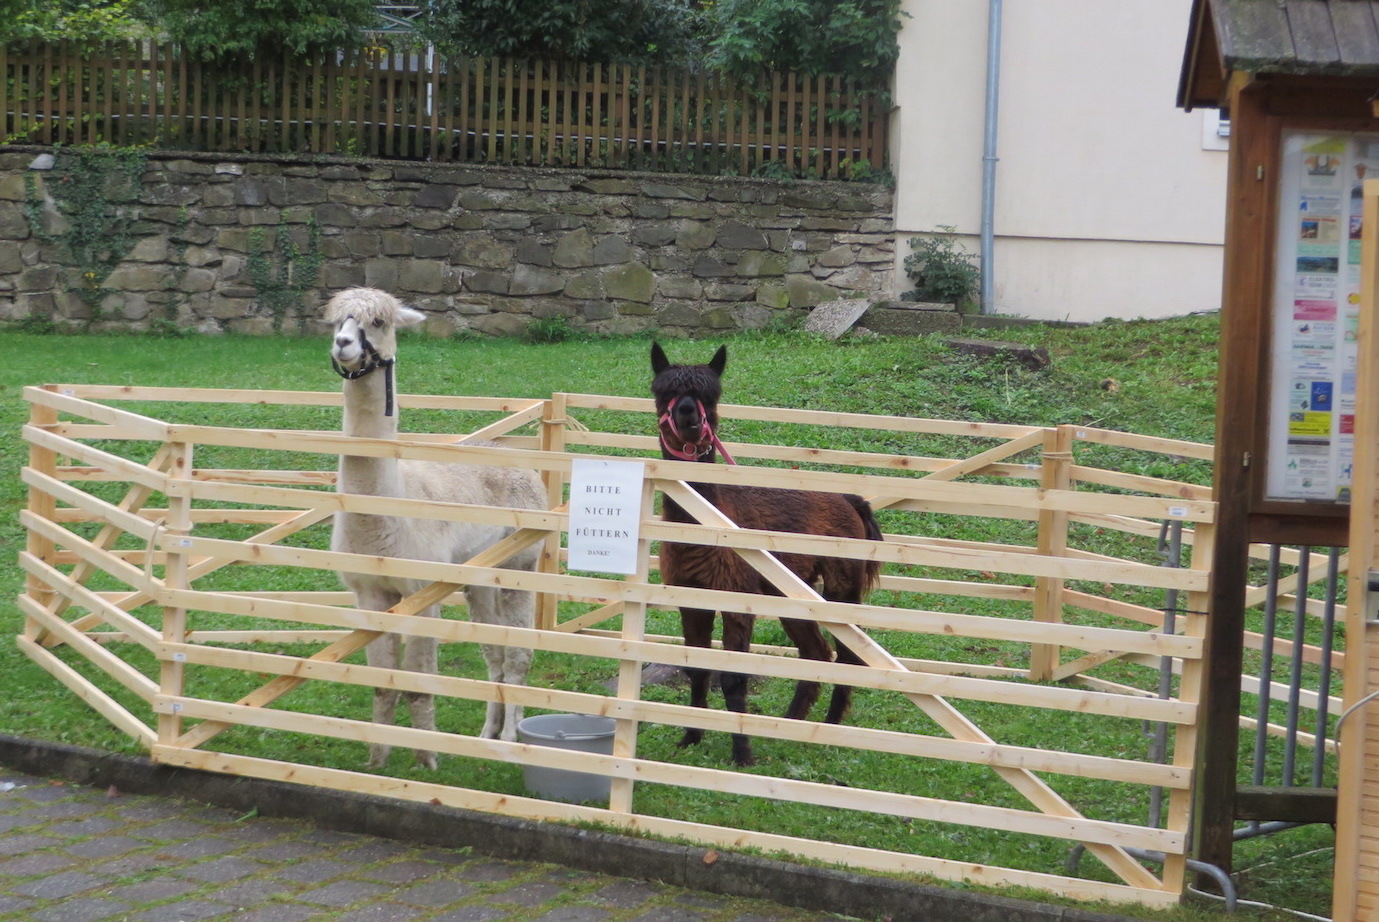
x,y
1251,180
552,440
1189,691
179,524
630,670
43,460
1355,893
1053,542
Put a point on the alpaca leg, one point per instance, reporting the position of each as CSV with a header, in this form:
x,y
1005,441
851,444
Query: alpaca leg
x,y
517,609
697,626
420,655
483,608
516,662
383,652
843,583
737,636
841,700
809,638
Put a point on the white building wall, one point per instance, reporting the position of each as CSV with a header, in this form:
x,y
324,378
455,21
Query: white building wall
x,y
1106,202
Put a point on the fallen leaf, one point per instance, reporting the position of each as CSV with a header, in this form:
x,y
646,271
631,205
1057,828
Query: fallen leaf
x,y
112,791
710,856
435,801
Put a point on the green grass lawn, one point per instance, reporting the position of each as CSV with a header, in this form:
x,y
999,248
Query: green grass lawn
x,y
1154,378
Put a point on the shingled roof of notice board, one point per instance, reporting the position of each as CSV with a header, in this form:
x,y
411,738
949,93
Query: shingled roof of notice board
x,y
1330,37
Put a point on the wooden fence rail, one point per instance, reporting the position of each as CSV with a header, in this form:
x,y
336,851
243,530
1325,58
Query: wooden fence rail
x,y
156,549
378,102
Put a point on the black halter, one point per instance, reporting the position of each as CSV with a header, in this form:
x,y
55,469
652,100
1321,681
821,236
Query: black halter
x,y
373,362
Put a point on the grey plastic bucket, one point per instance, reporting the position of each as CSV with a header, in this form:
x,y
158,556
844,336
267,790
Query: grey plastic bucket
x,y
582,732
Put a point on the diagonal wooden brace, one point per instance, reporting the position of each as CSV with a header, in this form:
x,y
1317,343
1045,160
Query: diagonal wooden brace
x,y
940,711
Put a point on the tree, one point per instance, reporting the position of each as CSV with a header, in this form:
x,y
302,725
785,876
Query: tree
x,y
586,30
216,29
81,21
856,38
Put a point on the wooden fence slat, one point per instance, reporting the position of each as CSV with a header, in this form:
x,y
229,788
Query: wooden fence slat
x,y
742,100
205,109
574,96
682,150
360,91
489,118
543,113
627,114
835,101
168,126
9,90
413,106
597,143
45,95
240,108
508,105
76,89
796,165
32,126
402,77
314,106
67,108
451,145
471,109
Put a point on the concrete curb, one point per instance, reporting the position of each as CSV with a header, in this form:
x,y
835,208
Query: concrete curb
x,y
788,884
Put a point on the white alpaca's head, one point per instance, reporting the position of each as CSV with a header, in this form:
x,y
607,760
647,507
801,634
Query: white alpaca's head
x,y
364,319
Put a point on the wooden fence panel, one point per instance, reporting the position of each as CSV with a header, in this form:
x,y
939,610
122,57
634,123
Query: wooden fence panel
x,y
158,556
407,104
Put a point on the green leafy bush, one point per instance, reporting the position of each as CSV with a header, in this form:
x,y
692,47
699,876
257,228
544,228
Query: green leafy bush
x,y
86,22
549,330
264,29
855,38
613,30
941,270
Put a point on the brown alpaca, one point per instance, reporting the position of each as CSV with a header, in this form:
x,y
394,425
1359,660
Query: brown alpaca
x,y
687,404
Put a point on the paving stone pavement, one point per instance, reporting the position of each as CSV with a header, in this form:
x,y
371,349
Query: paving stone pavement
x,y
70,853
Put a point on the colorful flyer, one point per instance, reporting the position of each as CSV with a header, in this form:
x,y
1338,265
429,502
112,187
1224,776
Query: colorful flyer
x,y
1316,313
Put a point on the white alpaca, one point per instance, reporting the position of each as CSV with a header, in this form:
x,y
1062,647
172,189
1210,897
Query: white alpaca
x,y
363,352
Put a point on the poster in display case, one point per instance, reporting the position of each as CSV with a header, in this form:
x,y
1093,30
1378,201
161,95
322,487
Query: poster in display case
x,y
1316,311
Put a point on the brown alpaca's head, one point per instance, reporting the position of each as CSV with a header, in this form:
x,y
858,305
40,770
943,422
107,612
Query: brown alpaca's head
x,y
687,401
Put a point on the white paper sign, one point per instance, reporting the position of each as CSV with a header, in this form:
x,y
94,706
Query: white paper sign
x,y
605,514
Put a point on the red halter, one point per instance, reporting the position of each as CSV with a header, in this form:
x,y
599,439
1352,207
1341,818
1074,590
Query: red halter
x,y
712,442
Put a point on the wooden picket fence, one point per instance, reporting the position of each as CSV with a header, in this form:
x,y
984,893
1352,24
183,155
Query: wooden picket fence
x,y
380,102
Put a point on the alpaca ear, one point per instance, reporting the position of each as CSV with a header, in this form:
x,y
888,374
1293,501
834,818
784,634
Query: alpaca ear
x,y
407,316
719,360
659,362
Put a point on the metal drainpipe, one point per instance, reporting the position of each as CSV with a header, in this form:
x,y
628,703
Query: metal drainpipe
x,y
993,86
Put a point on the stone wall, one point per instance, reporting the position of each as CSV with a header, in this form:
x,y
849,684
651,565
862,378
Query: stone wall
x,y
482,249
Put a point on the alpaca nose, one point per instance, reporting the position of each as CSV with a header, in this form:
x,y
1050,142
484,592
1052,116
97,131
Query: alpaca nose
x,y
687,413
341,340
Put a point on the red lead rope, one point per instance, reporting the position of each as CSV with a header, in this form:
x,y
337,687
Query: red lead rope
x,y
691,456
